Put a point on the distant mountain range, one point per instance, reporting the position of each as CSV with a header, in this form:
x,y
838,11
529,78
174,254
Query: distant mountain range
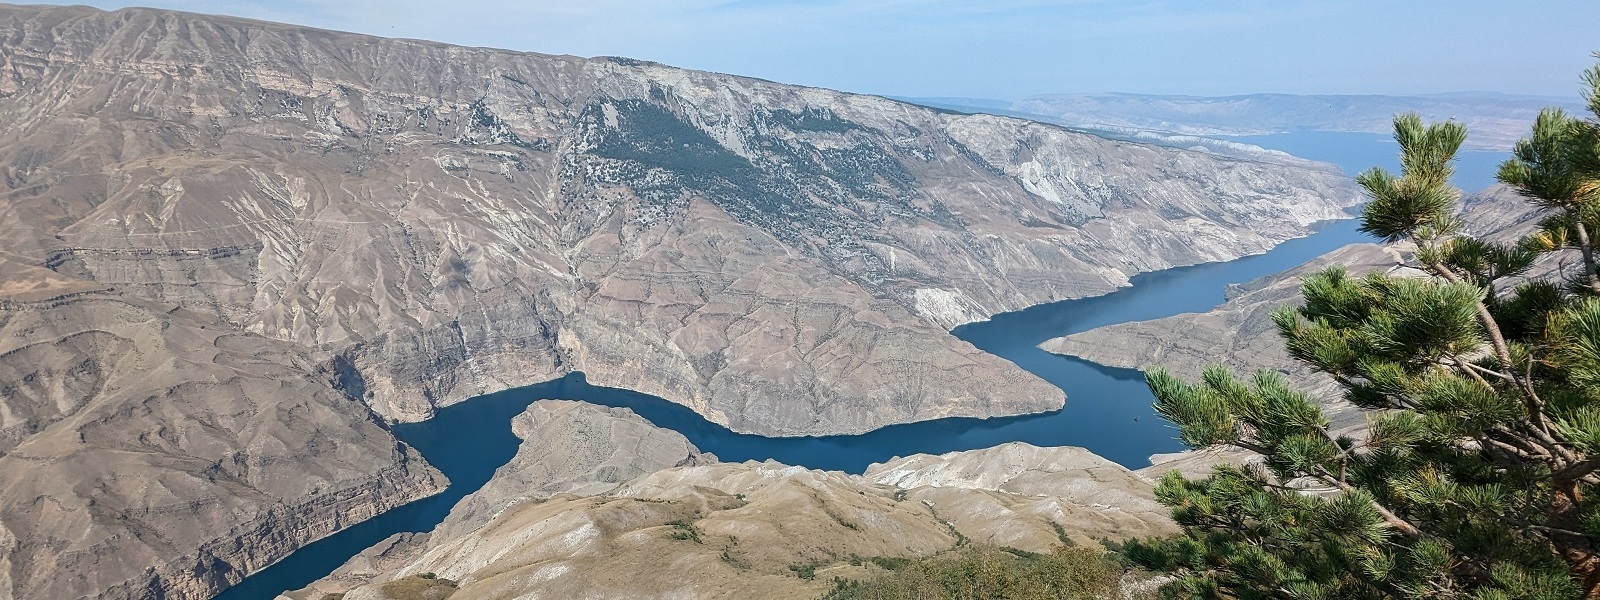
x,y
1494,120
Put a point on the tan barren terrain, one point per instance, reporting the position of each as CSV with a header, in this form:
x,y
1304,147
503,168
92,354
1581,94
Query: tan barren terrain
x,y
719,530
233,251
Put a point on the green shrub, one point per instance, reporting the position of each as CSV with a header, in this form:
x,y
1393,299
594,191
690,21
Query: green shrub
x,y
978,573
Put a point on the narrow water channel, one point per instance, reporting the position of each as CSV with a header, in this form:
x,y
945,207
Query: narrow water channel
x,y
1108,410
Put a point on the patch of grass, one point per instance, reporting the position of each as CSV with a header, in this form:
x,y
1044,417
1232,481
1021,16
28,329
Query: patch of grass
x,y
729,557
807,570
891,563
684,530
961,538
426,586
1061,534
847,524
1020,553
981,573
734,561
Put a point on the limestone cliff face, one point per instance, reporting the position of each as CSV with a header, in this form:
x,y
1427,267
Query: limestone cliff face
x,y
552,523
301,229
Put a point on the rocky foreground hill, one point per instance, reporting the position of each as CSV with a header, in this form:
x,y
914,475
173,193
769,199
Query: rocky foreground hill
x,y
231,252
596,500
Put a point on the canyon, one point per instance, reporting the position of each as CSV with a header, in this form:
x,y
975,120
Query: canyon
x,y
233,254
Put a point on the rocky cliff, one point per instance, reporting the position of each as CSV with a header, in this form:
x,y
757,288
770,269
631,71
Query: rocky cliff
x,y
542,528
304,234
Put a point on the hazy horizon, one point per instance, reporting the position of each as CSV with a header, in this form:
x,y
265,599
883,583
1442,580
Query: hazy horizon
x,y
1013,49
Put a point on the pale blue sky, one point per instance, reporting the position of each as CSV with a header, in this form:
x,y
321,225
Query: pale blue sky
x,y
1010,49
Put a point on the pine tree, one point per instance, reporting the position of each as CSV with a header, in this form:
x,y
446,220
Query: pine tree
x,y
1476,476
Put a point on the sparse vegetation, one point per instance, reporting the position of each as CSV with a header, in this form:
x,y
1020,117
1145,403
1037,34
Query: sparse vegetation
x,y
843,522
734,561
1061,534
663,158
426,586
978,573
685,530
807,570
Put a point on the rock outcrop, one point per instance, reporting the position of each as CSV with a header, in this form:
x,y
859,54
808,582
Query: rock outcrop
x,y
1011,494
304,234
751,530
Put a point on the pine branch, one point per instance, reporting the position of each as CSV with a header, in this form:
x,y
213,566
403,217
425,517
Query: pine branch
x,y
1502,350
1388,516
1587,250
1476,372
1576,471
1558,530
1513,450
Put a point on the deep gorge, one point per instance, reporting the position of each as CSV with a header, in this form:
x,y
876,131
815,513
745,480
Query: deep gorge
x,y
1108,409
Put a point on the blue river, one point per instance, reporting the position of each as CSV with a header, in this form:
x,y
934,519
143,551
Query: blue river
x,y
1108,410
